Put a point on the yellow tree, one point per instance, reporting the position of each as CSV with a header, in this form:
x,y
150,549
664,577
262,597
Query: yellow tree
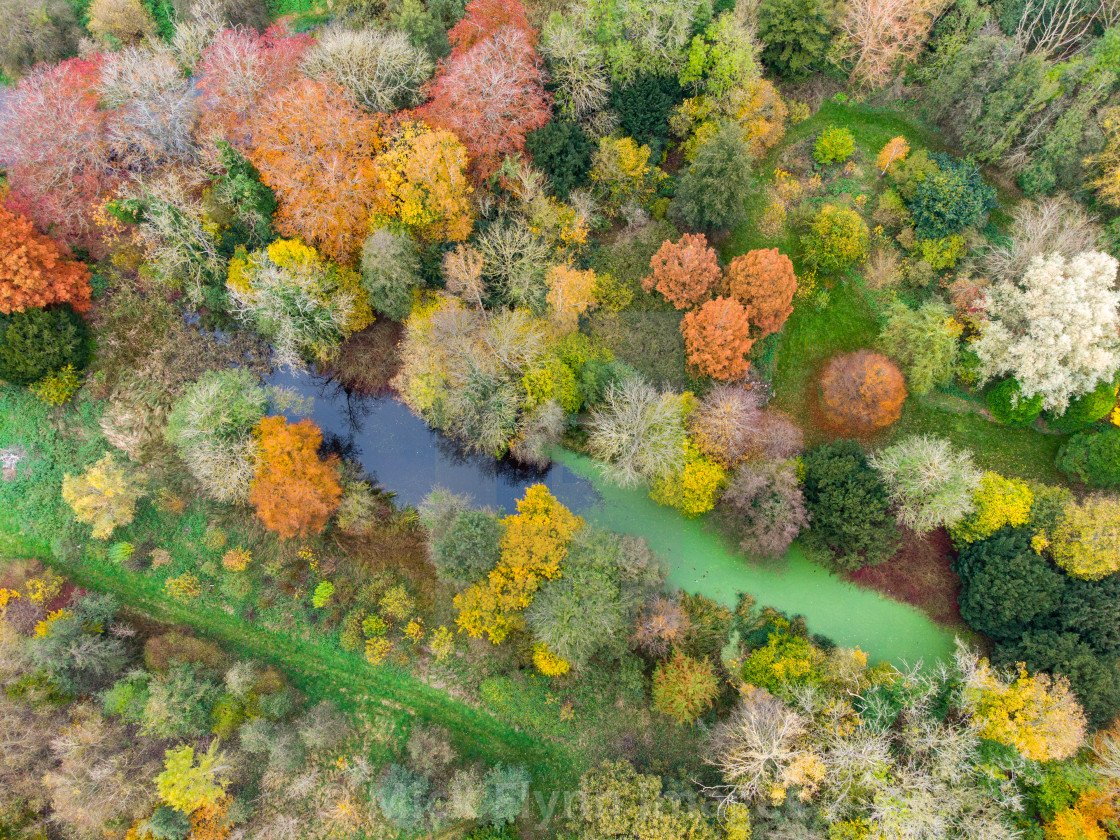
x,y
104,496
894,152
1086,542
1038,716
1107,162
424,176
571,292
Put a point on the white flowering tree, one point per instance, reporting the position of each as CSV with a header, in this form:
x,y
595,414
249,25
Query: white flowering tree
x,y
1056,330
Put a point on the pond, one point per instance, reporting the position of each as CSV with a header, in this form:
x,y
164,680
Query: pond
x,y
405,456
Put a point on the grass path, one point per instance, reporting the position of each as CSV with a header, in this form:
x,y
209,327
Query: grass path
x,y
372,694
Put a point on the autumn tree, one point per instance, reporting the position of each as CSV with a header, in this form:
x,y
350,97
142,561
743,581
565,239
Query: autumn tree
x,y
717,338
996,502
862,391
1086,542
238,72
482,18
571,293
880,35
837,237
424,184
894,152
187,785
764,283
34,271
104,496
294,491
125,21
379,69
764,508
930,482
625,177
316,151
638,432
684,272
490,96
683,687
43,32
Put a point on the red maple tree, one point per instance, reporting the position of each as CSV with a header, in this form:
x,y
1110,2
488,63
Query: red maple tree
x,y
717,338
483,18
684,272
34,271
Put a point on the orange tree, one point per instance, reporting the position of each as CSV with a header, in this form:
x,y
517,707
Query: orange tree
x,y
684,272
717,338
862,391
684,688
34,272
483,18
764,282
316,151
293,491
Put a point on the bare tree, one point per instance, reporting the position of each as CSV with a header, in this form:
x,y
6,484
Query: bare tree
x,y
881,35
380,70
1057,29
1056,224
638,432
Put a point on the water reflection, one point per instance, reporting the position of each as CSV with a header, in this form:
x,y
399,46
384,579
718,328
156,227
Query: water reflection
x,y
404,455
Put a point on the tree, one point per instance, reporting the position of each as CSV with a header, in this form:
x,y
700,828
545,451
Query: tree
x,y
1036,715
625,177
390,272
837,238
424,184
187,786
717,338
1086,542
482,18
1055,330
506,787
925,341
764,282
997,502
1006,585
470,547
637,432
848,506
577,69
305,305
179,704
764,508
316,151
490,96
571,293
211,428
380,70
38,342
562,151
684,688
1052,225
34,271
895,151
241,70
695,489
862,391
44,32
293,491
685,272
931,484
1092,457
880,36
950,198
402,797
723,59
796,34
712,194
617,802
126,21
1107,161
104,496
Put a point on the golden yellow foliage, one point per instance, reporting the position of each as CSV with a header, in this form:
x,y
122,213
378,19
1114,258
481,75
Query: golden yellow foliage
x,y
104,496
548,663
571,292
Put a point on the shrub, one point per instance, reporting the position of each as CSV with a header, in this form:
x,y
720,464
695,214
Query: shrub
x,y
684,688
293,491
684,272
391,272
712,194
1086,409
1092,457
1008,405
104,496
764,282
925,341
717,338
949,199
34,271
837,238
796,34
562,151
862,391
833,145
997,502
547,662
39,342
931,484
849,506
59,387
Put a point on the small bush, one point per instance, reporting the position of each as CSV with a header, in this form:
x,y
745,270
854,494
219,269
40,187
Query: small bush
x,y
1008,405
684,688
834,145
1086,409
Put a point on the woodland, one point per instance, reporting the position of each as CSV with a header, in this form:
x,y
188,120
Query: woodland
x,y
836,277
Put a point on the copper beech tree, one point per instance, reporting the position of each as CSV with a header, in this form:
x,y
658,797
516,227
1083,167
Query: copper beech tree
x,y
316,151
34,272
684,272
717,338
862,391
764,282
294,491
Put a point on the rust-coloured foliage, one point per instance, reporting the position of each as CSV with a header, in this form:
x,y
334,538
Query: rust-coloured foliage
x,y
490,97
34,272
316,151
764,282
684,272
483,18
862,391
294,491
717,338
